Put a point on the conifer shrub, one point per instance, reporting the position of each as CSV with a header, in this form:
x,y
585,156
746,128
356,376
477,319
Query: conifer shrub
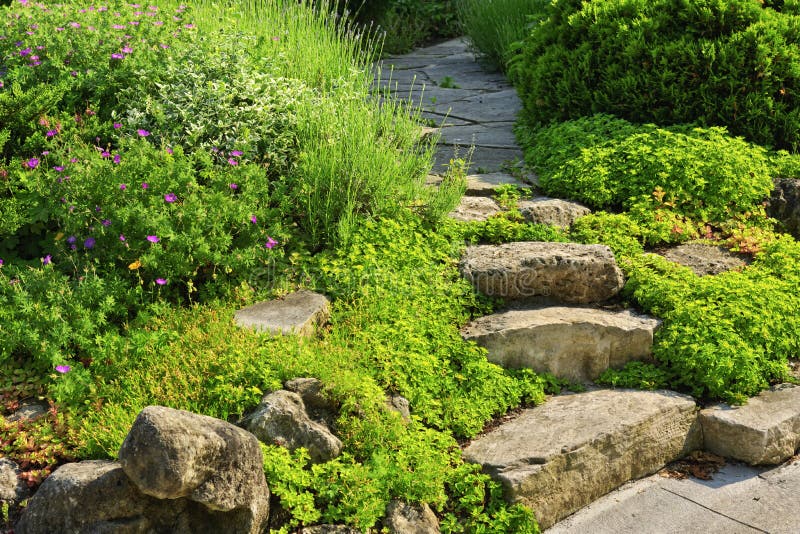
x,y
734,63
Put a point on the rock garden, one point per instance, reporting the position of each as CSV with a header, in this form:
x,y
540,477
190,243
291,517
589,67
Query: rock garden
x,y
322,267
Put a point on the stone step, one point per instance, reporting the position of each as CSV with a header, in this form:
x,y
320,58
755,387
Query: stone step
x,y
552,211
577,344
705,259
568,272
472,209
297,313
765,431
564,454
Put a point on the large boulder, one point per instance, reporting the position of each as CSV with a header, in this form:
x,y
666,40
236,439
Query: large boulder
x,y
765,431
564,454
577,344
568,272
406,518
13,489
281,419
319,406
297,313
97,497
172,454
784,204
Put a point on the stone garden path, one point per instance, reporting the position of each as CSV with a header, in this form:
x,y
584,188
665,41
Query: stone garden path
x,y
569,455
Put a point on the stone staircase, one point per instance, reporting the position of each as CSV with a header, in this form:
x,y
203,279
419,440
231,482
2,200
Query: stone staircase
x,y
568,452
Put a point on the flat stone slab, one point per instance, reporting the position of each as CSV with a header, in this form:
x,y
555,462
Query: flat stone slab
x,y
562,455
705,259
494,134
765,431
496,106
296,313
484,159
738,499
475,209
577,344
552,211
568,272
485,184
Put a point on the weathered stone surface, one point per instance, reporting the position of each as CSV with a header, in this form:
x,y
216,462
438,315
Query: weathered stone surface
x,y
12,488
404,518
169,454
705,259
98,497
568,272
765,431
319,407
784,204
281,419
564,454
552,211
484,185
573,343
399,404
475,209
495,134
296,313
29,410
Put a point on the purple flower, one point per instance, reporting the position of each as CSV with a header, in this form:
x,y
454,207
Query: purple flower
x,y
142,133
170,198
45,152
270,243
161,281
126,50
233,186
116,55
58,168
89,243
232,161
123,187
47,259
117,159
1,262
32,163
145,185
24,52
153,238
236,153
98,209
253,219
117,126
106,223
63,369
105,154
170,151
51,133
121,237
71,239
118,27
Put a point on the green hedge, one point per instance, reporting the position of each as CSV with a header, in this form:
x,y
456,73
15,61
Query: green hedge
x,y
728,63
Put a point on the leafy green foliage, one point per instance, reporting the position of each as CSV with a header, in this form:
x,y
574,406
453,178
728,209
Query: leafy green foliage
x,y
495,29
636,375
732,63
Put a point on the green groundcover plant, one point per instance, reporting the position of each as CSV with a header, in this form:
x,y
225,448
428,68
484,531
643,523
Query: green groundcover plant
x,y
730,63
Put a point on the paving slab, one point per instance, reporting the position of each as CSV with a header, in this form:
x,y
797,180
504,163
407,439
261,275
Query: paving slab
x,y
484,159
566,453
574,343
484,107
296,313
552,211
491,135
486,184
766,430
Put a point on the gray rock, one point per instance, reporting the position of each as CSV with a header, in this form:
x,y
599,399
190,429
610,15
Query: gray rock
x,y
567,272
564,454
399,404
577,344
483,159
12,488
405,518
296,313
319,406
784,204
97,497
705,259
169,454
765,431
29,410
552,211
485,184
493,135
475,209
281,419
